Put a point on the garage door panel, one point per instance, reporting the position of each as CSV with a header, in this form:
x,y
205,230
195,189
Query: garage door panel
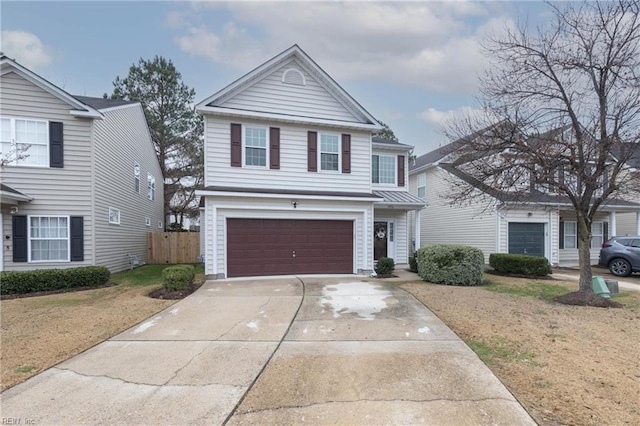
x,y
266,246
527,238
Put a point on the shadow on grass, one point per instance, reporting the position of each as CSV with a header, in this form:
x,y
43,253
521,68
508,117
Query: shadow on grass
x,y
535,289
145,275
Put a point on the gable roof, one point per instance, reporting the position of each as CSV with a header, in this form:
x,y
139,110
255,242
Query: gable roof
x,y
79,108
103,103
390,143
213,102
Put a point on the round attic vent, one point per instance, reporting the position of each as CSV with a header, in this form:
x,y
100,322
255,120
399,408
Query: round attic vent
x,y
293,76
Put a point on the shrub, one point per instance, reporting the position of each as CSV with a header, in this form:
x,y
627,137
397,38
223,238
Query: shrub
x,y
385,266
413,262
520,264
450,264
14,282
179,277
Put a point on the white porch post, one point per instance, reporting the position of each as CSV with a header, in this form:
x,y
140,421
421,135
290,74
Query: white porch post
x,y
416,227
637,223
613,229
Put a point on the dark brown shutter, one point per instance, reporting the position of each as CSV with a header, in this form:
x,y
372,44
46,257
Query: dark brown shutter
x,y
274,144
56,146
19,226
77,238
312,151
346,153
400,170
236,145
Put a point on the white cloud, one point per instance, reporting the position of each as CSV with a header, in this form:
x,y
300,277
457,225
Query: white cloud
x,y
26,48
430,45
442,118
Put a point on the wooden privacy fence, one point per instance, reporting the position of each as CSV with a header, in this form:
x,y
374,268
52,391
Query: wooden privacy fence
x,y
173,247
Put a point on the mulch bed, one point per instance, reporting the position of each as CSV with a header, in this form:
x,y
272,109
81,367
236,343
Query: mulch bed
x,y
386,276
163,293
587,299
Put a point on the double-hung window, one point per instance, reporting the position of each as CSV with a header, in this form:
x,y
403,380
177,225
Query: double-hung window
x,y
151,187
24,142
571,235
49,238
329,152
422,185
255,146
383,169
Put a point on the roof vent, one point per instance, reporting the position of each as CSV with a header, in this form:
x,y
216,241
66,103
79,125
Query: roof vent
x,y
293,76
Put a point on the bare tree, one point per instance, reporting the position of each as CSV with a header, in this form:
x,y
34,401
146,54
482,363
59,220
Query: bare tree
x,y
565,103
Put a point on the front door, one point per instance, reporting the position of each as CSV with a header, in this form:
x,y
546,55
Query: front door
x,y
380,232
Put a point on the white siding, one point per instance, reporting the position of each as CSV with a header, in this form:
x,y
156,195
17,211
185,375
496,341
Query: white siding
x,y
121,140
293,172
271,95
441,223
626,224
55,191
218,209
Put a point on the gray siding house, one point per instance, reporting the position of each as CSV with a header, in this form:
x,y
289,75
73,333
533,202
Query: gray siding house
x,y
80,180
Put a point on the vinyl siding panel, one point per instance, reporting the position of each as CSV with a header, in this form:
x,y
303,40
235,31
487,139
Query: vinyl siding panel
x,y
122,139
55,191
626,224
441,223
271,95
218,209
293,173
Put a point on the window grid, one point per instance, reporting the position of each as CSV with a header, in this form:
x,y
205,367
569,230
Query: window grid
x,y
329,152
151,187
422,185
49,238
571,235
24,138
147,221
383,169
255,143
114,216
136,177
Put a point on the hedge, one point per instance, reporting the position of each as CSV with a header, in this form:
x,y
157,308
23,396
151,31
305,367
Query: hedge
x,y
21,282
178,277
520,264
385,266
450,264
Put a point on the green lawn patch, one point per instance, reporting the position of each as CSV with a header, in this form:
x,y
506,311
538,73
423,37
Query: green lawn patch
x,y
145,275
501,349
535,289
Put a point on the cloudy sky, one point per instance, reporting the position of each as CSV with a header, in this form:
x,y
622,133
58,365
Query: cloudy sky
x,y
411,64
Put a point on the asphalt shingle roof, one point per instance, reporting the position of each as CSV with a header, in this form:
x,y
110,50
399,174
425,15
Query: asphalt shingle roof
x,y
102,103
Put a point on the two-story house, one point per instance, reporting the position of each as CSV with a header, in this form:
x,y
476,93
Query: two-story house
x,y
294,182
81,183
541,224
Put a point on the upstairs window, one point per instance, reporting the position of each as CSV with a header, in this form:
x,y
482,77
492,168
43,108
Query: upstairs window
x,y
383,169
329,152
422,185
24,142
136,177
151,187
255,146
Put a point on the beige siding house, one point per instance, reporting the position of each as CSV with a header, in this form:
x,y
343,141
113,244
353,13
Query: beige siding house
x,y
294,181
544,226
74,176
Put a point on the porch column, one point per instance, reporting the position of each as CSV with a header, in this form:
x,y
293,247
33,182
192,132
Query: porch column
x,y
613,231
416,227
637,223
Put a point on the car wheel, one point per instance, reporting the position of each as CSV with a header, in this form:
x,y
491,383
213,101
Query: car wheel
x,y
620,268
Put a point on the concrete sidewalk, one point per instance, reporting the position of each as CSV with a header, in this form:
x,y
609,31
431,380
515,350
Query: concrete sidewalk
x,y
356,351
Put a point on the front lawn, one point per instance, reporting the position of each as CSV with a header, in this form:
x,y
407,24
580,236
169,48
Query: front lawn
x,y
39,332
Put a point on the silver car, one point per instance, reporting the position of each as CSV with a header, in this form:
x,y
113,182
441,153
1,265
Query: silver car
x,y
621,255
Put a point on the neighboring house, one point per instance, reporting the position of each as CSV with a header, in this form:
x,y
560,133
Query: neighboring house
x,y
85,187
542,225
294,183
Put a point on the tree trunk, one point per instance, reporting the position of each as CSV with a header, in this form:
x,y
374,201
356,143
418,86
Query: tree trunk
x,y
584,255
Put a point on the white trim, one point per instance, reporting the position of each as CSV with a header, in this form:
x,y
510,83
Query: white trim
x,y
319,153
294,70
48,87
297,196
266,147
137,177
6,196
393,184
147,221
12,120
29,260
115,211
285,118
390,147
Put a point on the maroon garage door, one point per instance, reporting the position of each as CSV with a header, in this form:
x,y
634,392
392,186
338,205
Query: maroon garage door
x,y
283,247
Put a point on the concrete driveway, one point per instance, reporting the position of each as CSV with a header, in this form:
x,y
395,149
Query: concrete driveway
x,y
287,350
